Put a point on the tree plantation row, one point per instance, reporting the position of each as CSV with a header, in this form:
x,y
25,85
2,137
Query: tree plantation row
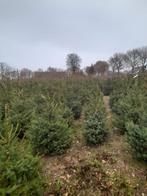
x,y
129,104
37,119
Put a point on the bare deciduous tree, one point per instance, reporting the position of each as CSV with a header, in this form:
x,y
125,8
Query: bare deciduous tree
x,y
73,62
117,62
5,70
132,59
90,70
142,52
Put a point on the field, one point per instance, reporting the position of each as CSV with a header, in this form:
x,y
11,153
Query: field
x,y
74,136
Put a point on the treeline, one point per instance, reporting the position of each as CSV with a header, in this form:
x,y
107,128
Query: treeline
x,y
132,62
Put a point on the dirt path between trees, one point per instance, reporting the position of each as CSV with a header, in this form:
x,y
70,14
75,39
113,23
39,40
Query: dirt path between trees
x,y
106,100
133,170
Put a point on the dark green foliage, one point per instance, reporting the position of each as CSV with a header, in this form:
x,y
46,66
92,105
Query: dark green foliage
x,y
50,109
20,113
121,87
94,103
95,130
68,116
129,106
76,108
49,132
73,101
115,96
50,137
137,137
106,86
19,169
95,119
0,119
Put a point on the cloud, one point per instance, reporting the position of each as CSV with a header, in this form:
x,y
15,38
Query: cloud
x,y
41,32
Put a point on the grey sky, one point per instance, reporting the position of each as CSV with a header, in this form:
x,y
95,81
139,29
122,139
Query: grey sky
x,y
40,33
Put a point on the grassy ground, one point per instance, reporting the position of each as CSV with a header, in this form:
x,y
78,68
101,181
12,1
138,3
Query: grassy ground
x,y
104,170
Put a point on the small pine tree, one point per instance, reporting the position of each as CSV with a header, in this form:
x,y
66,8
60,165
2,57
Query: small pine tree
x,y
137,137
49,137
95,132
19,169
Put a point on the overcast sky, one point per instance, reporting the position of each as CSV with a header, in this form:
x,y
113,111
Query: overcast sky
x,y
40,33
